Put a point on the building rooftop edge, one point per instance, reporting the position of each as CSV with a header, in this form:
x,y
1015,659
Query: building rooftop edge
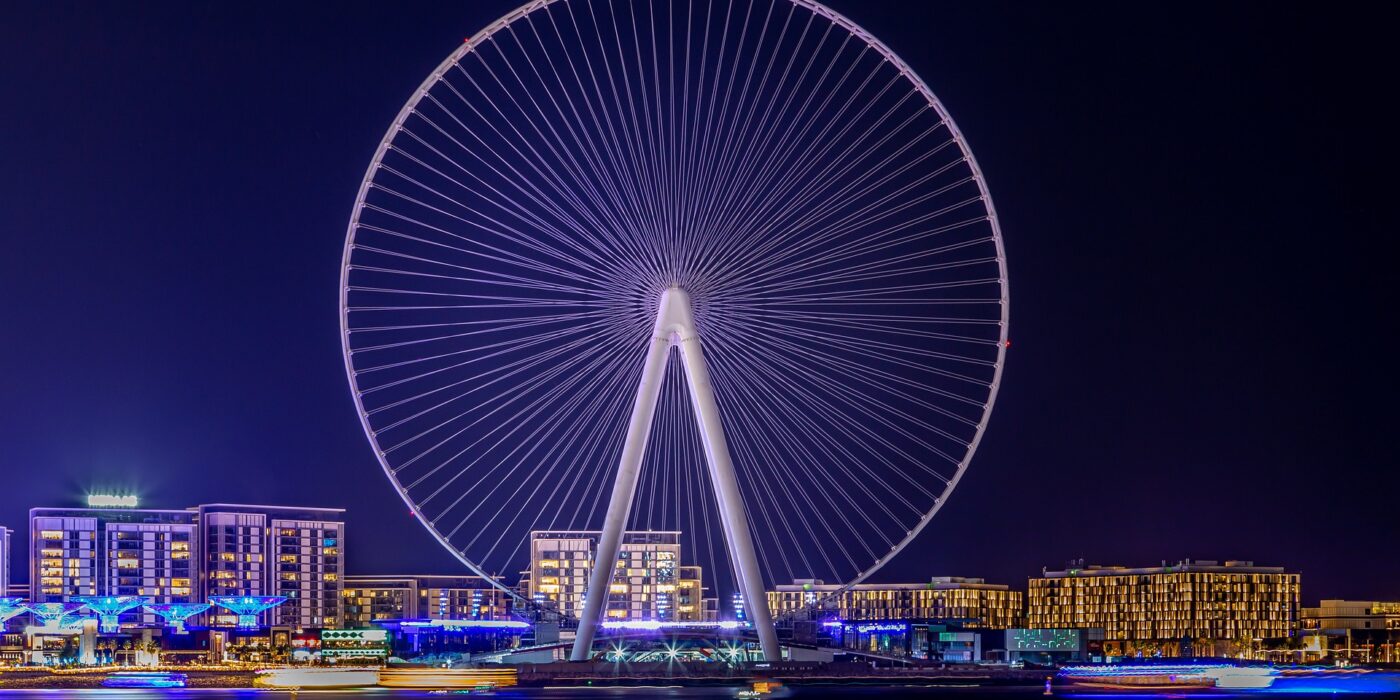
x,y
257,505
1184,566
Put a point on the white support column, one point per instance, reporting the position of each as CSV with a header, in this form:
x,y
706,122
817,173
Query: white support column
x,y
731,503
675,325
624,488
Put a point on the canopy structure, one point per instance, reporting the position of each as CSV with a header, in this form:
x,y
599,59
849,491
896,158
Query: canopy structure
x,y
248,607
53,614
175,614
10,607
109,608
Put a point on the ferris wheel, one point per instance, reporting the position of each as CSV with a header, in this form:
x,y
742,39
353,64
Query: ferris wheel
x,y
723,267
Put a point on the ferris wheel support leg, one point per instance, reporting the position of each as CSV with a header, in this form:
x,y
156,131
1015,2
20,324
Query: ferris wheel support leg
x,y
624,489
731,504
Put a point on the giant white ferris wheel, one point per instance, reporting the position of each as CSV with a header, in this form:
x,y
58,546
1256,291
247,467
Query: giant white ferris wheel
x,y
759,187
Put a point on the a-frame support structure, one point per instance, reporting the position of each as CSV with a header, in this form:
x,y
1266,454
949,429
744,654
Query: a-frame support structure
x,y
675,326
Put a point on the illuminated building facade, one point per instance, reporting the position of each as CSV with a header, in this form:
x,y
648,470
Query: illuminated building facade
x,y
1352,615
370,598
78,552
649,583
190,555
971,602
1199,607
1363,631
691,603
253,550
4,560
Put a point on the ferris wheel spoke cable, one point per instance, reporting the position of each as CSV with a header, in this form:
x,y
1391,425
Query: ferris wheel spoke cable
x,y
505,257
785,474
459,336
867,345
871,271
719,171
501,374
860,422
771,412
636,187
725,177
731,242
533,196
798,172
518,208
826,176
503,399
526,413
591,383
861,219
501,229
500,348
654,161
496,324
777,160
521,182
591,438
782,279
614,213
880,404
828,361
591,223
539,436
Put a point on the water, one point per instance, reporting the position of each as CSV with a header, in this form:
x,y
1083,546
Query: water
x,y
572,693
891,692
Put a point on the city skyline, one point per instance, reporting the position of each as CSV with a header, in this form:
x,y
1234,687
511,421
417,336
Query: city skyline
x,y
201,532
190,348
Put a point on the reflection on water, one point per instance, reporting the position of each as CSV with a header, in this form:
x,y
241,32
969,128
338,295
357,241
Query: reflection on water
x,y
1369,684
1307,688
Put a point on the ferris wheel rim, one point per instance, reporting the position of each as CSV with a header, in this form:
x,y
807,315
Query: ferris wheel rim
x,y
817,8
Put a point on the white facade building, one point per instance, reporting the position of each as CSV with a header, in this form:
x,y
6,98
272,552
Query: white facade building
x,y
175,556
649,583
280,551
97,551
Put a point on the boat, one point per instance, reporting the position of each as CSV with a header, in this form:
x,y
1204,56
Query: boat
x,y
144,679
1157,677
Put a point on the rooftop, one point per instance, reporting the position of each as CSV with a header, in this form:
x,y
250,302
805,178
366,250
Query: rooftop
x,y
1232,566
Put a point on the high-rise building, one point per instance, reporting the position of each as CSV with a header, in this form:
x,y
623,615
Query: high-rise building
x,y
279,551
647,584
176,556
370,598
112,551
1192,607
970,602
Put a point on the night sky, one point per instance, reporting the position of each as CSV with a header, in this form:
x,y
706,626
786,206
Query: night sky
x,y
1192,204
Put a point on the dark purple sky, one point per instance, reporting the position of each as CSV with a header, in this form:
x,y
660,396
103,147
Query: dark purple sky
x,y
1192,204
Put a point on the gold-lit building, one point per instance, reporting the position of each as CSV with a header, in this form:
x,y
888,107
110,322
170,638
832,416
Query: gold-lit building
x,y
1199,607
691,603
971,602
1363,631
649,583
371,598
